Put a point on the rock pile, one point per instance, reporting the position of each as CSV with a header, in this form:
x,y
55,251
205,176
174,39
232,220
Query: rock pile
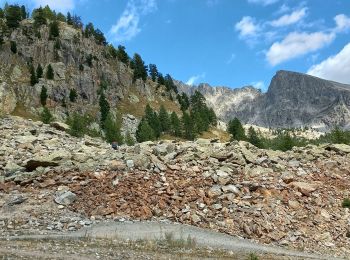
x,y
289,199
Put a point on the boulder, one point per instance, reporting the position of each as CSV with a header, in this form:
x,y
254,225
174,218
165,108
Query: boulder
x,y
66,198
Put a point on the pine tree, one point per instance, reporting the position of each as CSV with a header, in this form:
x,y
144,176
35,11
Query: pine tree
x,y
77,125
144,132
112,130
2,13
175,125
23,12
69,19
49,72
164,119
153,72
46,116
54,30
140,70
236,130
39,17
43,96
188,126
100,38
39,72
161,80
254,138
13,15
104,108
33,77
48,13
89,30
60,17
169,83
13,46
122,55
73,95
153,120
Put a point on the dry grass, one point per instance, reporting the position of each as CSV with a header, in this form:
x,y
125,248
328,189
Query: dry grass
x,y
213,133
24,112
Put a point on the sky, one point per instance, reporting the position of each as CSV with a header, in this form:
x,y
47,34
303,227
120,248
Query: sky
x,y
230,43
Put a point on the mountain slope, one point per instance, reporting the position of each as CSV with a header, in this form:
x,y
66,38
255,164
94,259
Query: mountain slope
x,y
292,100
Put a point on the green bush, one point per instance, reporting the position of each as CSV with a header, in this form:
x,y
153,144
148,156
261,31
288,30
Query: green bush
x,y
46,116
346,203
43,96
13,47
49,72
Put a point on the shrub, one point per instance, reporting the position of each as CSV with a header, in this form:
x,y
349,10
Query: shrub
x,y
129,140
13,47
43,96
49,72
46,116
77,125
253,256
73,95
346,203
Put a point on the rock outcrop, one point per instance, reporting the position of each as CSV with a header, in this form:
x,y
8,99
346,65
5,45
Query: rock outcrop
x,y
292,100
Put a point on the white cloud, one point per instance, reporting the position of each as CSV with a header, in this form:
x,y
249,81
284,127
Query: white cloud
x,y
334,68
342,22
127,27
263,2
247,27
289,19
296,44
230,60
192,80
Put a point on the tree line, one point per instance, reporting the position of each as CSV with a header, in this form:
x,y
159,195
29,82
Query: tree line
x,y
194,121
285,139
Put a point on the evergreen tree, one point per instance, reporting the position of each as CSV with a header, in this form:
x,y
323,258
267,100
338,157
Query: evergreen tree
x,y
175,125
89,30
2,13
23,12
161,80
69,19
152,118
112,51
73,95
43,96
254,138
140,70
184,101
48,13
46,116
13,15
122,55
129,140
1,40
112,130
104,108
144,132
76,22
39,72
13,47
236,130
60,17
33,77
77,125
153,72
54,30
164,119
285,142
100,38
39,17
169,83
188,126
50,72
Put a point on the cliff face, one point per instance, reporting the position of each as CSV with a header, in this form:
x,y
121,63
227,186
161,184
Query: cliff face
x,y
295,100
69,57
292,100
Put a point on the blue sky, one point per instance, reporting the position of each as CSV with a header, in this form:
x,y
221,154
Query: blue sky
x,y
225,42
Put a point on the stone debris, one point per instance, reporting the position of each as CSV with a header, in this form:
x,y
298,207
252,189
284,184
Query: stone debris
x,y
291,199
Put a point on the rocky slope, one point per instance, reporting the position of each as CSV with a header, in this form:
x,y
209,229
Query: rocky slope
x,y
69,55
292,100
52,181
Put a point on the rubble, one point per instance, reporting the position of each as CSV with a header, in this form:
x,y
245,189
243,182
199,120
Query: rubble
x,y
291,199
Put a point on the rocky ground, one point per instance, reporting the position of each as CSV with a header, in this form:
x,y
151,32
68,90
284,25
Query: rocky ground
x,y
51,181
